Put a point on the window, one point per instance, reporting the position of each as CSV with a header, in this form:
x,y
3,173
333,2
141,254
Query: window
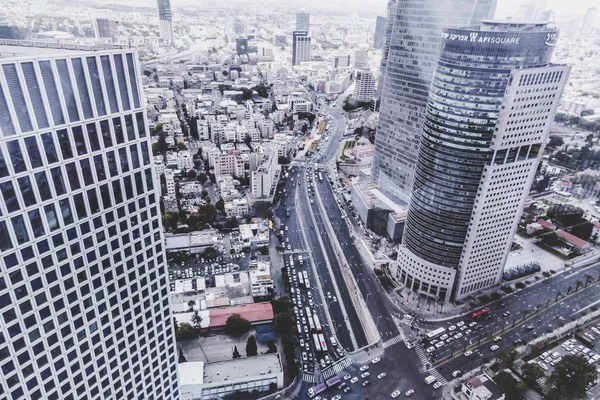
x,y
139,117
10,197
6,125
64,143
19,228
65,210
129,127
73,176
84,95
35,94
51,92
93,136
123,90
109,83
99,166
133,80
49,148
112,163
51,217
67,88
33,152
96,86
79,140
36,223
118,127
16,156
3,167
123,160
5,241
17,96
26,191
57,178
86,171
135,161
106,136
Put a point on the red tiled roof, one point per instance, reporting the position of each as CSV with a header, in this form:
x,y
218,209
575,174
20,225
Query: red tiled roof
x,y
545,224
254,312
596,224
572,239
475,382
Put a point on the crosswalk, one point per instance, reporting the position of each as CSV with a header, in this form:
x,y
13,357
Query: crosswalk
x,y
310,378
394,340
337,367
422,356
438,376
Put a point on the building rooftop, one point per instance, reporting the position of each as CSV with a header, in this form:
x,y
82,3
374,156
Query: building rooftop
x,y
373,197
240,368
571,239
255,312
191,373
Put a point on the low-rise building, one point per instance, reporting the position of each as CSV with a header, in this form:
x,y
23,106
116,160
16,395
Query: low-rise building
x,y
481,387
255,234
170,183
236,208
194,242
261,283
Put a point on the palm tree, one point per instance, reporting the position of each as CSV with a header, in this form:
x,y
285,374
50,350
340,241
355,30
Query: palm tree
x,y
578,284
588,279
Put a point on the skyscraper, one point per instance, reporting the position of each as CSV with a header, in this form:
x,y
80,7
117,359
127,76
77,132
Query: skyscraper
x,y
588,23
407,66
364,86
103,28
492,100
84,296
241,46
302,21
379,36
300,47
165,22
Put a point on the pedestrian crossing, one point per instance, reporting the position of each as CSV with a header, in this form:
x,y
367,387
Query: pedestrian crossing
x,y
422,356
310,378
438,376
337,367
393,341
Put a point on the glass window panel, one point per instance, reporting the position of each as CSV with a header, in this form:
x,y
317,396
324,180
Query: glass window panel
x,y
36,223
96,86
73,176
93,136
105,130
117,191
86,171
145,154
79,140
128,187
17,96
26,191
105,193
109,83
149,179
3,166
99,165
123,90
84,95
112,163
52,92
93,201
135,160
139,117
118,130
139,185
5,240
80,206
16,156
49,148
6,125
10,197
129,127
57,178
18,224
43,186
51,217
123,159
35,94
35,158
133,80
67,88
64,143
65,210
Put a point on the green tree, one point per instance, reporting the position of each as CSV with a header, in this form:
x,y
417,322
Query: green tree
x,y
509,386
220,204
281,305
231,223
272,347
246,93
191,305
532,372
181,146
191,174
236,325
284,323
236,353
251,347
207,213
185,332
202,178
571,376
182,358
507,356
197,320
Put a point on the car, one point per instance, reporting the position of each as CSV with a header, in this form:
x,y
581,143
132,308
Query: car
x,y
347,376
395,394
458,335
543,366
375,360
439,345
381,375
437,385
311,392
459,324
456,373
304,356
347,389
468,353
329,295
341,385
354,380
322,363
444,337
336,397
364,368
452,328
472,324
364,375
494,347
430,349
497,339
409,392
366,383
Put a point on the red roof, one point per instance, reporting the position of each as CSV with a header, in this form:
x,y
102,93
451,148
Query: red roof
x,y
572,239
255,312
545,224
596,224
475,382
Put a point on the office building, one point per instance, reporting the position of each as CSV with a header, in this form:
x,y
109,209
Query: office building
x,y
589,22
379,35
241,46
300,47
361,59
492,101
341,61
302,21
83,276
364,86
104,28
165,22
391,12
407,76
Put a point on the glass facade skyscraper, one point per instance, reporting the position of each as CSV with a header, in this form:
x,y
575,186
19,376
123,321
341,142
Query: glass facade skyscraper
x,y
491,102
408,62
84,302
165,21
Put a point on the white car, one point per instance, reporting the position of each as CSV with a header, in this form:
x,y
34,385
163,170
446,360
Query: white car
x,y
365,375
381,375
452,328
497,339
347,376
364,368
456,373
458,335
461,323
494,347
430,349
437,385
468,353
439,345
354,380
472,324
395,394
375,360
444,336
409,392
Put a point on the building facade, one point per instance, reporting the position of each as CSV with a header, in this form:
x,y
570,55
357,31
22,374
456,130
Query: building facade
x,y
409,64
104,28
241,46
165,22
300,47
83,277
492,100
364,88
379,35
302,21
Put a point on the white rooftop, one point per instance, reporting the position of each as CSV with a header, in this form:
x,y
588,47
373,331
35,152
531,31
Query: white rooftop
x,y
191,373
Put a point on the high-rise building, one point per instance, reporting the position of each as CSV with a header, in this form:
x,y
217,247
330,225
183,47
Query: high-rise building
x,y
379,36
300,47
103,28
84,295
391,12
491,104
361,59
412,49
341,61
165,22
302,21
241,46
364,86
588,23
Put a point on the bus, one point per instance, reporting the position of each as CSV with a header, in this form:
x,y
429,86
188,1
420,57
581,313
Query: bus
x,y
306,280
317,343
311,324
435,333
322,342
320,177
333,341
308,312
318,327
300,278
478,314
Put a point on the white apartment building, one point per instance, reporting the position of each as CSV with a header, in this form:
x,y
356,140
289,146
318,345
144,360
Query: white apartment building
x,y
262,179
364,87
170,183
236,208
181,159
261,284
83,274
230,163
266,127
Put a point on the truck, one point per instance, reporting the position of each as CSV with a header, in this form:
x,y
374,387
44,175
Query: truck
x,y
301,278
318,327
322,342
306,280
430,379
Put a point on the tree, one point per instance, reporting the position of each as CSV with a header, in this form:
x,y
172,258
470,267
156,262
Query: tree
x,y
191,174
246,94
284,323
191,305
207,213
281,305
202,178
204,193
197,320
272,347
236,353
236,325
509,386
182,358
532,372
571,376
185,332
220,204
231,223
181,146
507,356
251,348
